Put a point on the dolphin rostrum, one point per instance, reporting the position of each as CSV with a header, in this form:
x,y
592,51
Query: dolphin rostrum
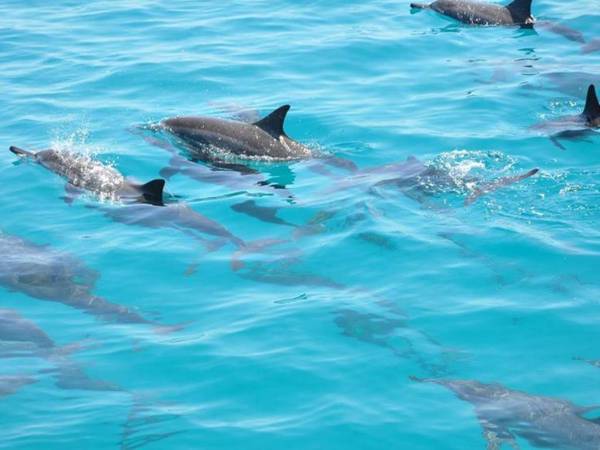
x,y
543,421
478,13
577,126
210,138
50,275
21,337
88,174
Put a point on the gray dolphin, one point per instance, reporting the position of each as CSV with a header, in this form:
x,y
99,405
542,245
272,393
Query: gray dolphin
x,y
11,384
46,274
88,174
21,337
578,126
208,137
420,181
178,216
475,13
543,421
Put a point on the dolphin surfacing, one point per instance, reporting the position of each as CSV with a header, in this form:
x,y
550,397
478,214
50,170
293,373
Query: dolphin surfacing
x,y
87,174
574,127
478,13
206,137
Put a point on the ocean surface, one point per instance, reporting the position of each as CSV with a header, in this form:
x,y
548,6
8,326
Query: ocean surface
x,y
306,336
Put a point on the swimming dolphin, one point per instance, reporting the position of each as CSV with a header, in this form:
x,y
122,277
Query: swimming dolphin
x,y
88,174
391,332
543,421
208,137
20,337
46,274
419,181
574,127
11,384
179,216
475,13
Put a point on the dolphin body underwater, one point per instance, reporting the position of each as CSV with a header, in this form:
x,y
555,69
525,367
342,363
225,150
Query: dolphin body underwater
x,y
478,13
21,337
264,139
46,274
85,173
575,127
543,421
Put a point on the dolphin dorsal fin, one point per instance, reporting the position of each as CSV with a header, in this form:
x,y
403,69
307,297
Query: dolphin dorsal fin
x,y
520,9
152,191
273,123
592,107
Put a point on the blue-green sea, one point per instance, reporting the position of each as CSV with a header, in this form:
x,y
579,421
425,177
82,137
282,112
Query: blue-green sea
x,y
305,337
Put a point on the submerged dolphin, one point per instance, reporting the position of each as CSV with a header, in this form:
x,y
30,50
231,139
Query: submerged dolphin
x,y
173,215
49,275
207,137
543,421
475,13
11,384
85,173
418,180
21,337
575,127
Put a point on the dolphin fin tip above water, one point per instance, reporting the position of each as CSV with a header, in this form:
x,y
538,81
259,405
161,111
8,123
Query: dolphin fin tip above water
x,y
592,107
273,123
152,191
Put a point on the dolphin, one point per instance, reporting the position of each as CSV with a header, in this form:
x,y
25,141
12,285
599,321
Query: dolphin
x,y
11,384
517,12
179,216
46,274
87,174
577,126
21,337
213,139
263,213
419,181
543,421
386,332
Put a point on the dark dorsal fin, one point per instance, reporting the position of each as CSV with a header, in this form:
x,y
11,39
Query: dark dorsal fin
x,y
273,123
592,107
152,191
520,9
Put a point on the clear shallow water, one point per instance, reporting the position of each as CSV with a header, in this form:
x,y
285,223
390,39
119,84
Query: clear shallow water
x,y
311,342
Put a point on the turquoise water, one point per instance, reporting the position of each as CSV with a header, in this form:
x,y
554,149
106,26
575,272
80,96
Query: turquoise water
x,y
307,342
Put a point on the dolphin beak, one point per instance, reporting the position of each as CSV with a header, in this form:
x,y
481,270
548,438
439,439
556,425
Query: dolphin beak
x,y
20,152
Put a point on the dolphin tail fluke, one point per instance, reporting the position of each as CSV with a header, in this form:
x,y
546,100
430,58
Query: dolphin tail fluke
x,y
497,184
420,5
592,107
152,192
20,152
